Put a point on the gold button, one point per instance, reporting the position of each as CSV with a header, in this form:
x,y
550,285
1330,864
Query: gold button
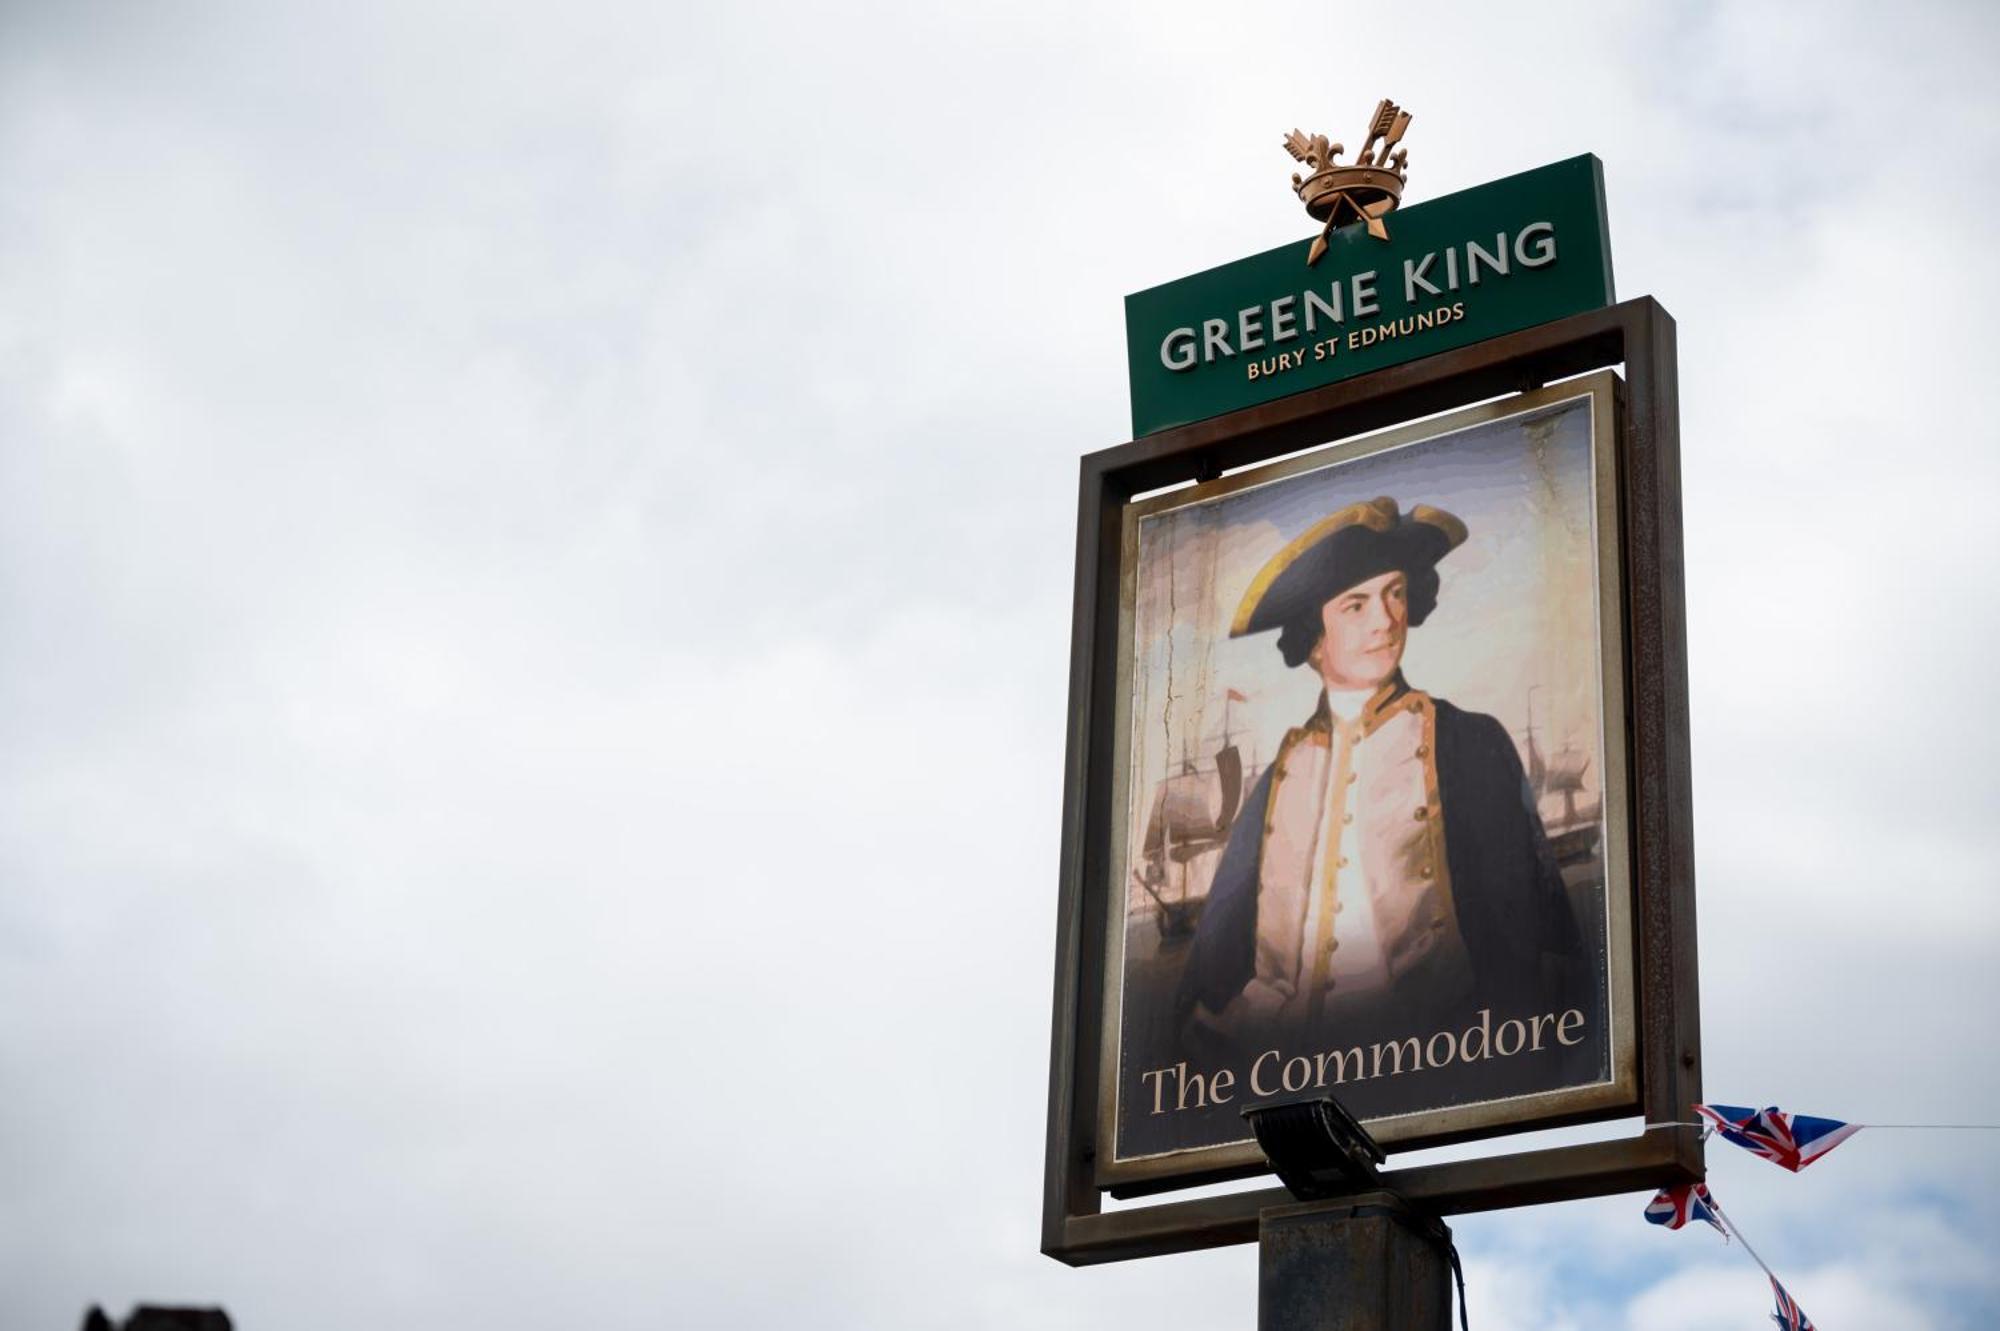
x,y
1332,943
1423,750
1426,871
1415,706
1343,862
1346,817
1351,776
1423,813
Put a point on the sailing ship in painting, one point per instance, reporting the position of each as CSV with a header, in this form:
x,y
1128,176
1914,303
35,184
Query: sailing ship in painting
x,y
1194,806
1573,826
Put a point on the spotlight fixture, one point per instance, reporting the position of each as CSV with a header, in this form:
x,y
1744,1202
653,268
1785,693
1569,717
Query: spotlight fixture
x,y
1318,1149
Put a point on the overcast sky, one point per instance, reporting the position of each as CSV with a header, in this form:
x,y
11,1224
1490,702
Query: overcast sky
x,y
534,593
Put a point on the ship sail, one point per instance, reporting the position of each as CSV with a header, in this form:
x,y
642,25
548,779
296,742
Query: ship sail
x,y
1574,833
1566,772
1193,808
1229,767
1538,771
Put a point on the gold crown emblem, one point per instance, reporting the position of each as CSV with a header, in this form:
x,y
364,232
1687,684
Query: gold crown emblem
x,y
1366,190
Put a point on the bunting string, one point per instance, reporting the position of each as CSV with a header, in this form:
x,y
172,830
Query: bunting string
x,y
1872,1127
1789,1317
1730,1230
1694,1201
1961,1127
1790,1141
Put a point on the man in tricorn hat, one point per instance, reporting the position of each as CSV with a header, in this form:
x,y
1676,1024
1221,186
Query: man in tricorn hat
x,y
1389,869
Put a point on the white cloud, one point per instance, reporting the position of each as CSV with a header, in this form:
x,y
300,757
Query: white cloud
x,y
534,574
1716,1298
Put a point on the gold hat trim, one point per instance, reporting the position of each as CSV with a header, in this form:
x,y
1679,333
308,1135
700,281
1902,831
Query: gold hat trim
x,y
1374,514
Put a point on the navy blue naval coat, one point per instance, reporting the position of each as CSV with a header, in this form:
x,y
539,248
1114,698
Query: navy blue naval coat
x,y
1520,931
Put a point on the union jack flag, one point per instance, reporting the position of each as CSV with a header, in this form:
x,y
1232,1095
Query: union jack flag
x,y
1789,1316
1674,1207
1791,1140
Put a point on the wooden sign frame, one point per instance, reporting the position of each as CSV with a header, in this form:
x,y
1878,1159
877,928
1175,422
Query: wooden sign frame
x,y
1636,334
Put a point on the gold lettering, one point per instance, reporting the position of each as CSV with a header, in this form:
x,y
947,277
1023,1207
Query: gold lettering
x,y
1256,1084
1396,1048
1535,1032
1485,1033
1183,1080
1339,1066
1450,1049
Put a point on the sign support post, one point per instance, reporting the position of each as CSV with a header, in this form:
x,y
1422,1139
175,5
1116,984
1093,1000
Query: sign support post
x,y
1366,1263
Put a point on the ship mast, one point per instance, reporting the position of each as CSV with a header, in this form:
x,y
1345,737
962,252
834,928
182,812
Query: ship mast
x,y
1538,771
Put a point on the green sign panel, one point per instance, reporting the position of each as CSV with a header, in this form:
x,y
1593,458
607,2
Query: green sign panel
x,y
1489,260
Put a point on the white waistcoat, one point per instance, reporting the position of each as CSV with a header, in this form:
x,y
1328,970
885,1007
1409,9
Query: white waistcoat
x,y
1353,825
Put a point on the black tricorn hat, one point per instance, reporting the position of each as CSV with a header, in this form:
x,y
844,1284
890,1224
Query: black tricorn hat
x,y
1360,542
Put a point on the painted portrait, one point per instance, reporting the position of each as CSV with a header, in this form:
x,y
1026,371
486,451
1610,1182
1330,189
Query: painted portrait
x,y
1370,822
